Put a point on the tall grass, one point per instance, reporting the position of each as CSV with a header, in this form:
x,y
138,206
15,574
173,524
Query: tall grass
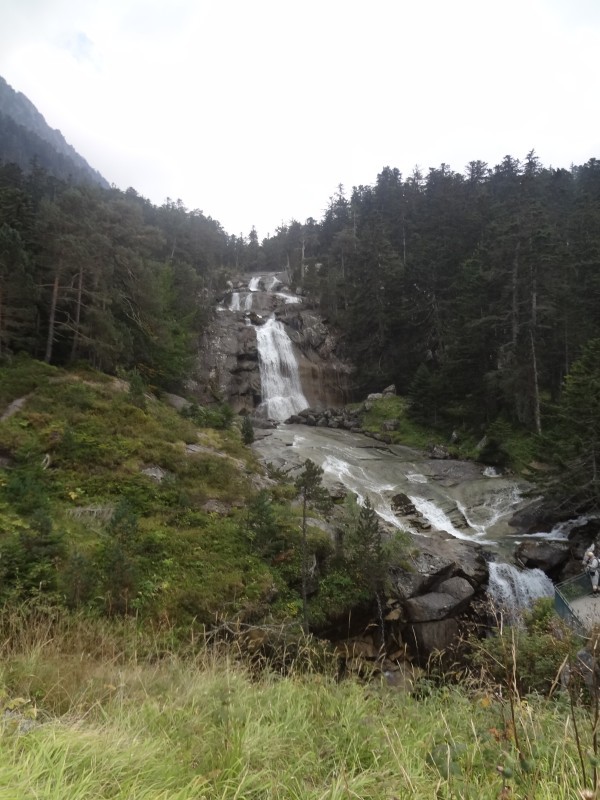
x,y
92,709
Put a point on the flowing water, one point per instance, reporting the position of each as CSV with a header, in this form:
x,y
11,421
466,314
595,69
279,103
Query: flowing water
x,y
459,498
451,496
513,590
279,377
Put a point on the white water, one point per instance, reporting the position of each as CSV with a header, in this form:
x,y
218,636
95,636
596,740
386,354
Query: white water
x,y
457,500
282,393
474,508
482,516
513,591
364,485
253,285
288,298
560,532
235,301
437,518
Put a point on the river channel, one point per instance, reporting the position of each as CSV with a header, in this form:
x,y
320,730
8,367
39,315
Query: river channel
x,y
460,498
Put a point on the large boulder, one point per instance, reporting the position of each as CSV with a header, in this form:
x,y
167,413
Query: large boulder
x,y
458,587
430,607
439,558
426,638
544,555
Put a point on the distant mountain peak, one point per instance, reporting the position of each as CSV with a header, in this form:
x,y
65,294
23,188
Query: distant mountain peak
x,y
25,135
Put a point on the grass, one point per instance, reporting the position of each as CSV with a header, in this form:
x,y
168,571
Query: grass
x,y
78,452
81,442
408,432
509,446
92,709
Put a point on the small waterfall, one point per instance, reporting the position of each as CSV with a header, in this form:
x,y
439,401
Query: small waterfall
x,y
253,284
436,517
514,590
280,380
235,301
498,505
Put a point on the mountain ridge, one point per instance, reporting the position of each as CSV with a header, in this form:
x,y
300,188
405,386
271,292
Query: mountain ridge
x,y
26,136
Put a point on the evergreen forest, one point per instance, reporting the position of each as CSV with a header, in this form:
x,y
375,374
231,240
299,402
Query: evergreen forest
x,y
476,294
154,618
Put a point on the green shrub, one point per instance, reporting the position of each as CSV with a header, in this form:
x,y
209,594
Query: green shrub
x,y
247,430
533,652
219,417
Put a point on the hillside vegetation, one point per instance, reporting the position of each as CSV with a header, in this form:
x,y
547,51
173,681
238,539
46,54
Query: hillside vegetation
x,y
136,545
103,500
112,501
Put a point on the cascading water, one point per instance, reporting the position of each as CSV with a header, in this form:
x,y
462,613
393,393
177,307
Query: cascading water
x,y
470,505
512,590
254,283
235,301
282,393
476,506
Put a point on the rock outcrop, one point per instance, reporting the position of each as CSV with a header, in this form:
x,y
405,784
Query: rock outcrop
x,y
429,601
435,591
228,362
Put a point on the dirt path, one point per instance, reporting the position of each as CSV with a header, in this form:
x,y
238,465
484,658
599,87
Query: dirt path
x,y
15,406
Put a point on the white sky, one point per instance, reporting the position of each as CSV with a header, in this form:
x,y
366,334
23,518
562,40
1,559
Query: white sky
x,y
255,110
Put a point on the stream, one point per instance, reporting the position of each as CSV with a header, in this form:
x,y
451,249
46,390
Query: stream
x,y
456,498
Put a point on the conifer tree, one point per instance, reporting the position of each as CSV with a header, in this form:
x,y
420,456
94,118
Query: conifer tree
x,y
311,492
579,436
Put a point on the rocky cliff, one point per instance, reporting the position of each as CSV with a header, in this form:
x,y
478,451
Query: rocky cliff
x,y
228,362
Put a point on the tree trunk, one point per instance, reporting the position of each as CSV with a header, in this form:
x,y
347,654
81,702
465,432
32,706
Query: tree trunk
x,y
515,299
52,319
304,569
76,334
534,370
537,418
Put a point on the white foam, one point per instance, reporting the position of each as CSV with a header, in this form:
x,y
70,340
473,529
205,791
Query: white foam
x,y
513,590
415,477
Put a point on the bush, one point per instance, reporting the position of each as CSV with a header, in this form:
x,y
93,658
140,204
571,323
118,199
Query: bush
x,y
247,430
219,417
534,652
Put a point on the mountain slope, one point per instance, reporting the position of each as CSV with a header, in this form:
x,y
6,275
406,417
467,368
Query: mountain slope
x,y
25,135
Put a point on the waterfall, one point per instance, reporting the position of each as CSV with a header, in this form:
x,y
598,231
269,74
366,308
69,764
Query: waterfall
x,y
254,283
514,590
436,517
282,393
235,301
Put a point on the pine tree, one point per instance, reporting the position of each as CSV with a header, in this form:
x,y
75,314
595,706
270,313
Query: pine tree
x,y
579,432
311,492
247,430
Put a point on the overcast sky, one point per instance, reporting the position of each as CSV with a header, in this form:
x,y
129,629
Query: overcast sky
x,y
255,110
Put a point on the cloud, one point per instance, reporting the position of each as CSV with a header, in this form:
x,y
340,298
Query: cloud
x,y
81,47
254,112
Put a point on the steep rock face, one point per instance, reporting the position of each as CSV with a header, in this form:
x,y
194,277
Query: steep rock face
x,y
325,377
228,363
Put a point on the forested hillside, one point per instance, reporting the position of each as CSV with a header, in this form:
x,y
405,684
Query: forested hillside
x,y
479,291
27,139
475,294
105,276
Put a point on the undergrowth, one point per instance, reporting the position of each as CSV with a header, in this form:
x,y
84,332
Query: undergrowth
x,y
106,709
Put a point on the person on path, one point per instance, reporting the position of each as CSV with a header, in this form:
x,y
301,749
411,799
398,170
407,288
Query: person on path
x,y
591,564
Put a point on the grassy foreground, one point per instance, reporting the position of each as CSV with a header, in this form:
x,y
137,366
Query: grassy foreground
x,y
92,709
